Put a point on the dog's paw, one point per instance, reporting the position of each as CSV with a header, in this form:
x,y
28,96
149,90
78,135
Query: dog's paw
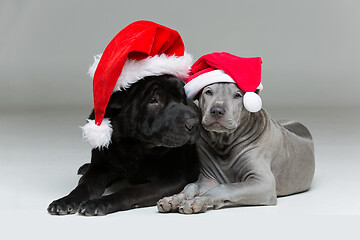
x,y
195,205
168,204
95,207
64,206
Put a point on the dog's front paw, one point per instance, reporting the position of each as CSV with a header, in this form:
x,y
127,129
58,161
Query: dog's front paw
x,y
64,206
195,205
95,207
168,204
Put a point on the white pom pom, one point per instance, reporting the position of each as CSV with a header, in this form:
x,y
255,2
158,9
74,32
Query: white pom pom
x,y
98,136
252,102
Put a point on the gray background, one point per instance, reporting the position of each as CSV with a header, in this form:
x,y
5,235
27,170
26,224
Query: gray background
x,y
309,48
310,55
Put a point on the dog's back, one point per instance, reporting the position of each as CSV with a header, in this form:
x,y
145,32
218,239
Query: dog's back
x,y
297,128
295,174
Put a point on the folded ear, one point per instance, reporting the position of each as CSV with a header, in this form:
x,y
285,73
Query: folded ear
x,y
193,104
92,115
116,101
100,137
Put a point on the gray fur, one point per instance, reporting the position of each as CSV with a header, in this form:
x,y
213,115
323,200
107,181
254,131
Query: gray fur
x,y
246,158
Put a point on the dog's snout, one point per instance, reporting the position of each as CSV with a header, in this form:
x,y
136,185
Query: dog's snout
x,y
190,123
217,112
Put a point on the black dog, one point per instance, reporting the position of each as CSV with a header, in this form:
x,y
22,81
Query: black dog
x,y
152,147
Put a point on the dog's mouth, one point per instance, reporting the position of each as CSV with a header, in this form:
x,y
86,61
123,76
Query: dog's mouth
x,y
217,127
170,141
169,144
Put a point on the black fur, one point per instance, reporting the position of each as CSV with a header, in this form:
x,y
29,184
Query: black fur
x,y
152,147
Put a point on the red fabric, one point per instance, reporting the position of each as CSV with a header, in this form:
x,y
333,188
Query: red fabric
x,y
136,41
246,72
198,73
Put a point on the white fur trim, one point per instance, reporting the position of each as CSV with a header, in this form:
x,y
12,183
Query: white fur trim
x,y
193,87
252,102
134,70
93,66
98,136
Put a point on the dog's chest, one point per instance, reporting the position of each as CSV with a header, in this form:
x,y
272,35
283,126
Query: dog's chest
x,y
136,160
223,168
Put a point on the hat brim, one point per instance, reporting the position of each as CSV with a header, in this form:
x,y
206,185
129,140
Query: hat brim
x,y
193,87
135,70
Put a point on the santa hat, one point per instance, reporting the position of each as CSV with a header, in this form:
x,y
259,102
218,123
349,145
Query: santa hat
x,y
225,67
141,49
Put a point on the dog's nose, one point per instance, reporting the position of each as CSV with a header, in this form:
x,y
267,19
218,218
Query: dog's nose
x,y
217,112
190,123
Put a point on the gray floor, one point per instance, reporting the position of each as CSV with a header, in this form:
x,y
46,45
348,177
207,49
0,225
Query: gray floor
x,y
42,149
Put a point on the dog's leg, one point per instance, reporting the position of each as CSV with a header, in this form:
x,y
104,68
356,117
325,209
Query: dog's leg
x,y
253,191
142,195
92,184
190,191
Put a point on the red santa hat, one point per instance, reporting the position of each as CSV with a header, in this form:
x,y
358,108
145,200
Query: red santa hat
x,y
225,67
141,49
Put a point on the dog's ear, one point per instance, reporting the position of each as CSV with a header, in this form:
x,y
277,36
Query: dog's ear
x,y
115,105
116,101
92,115
193,104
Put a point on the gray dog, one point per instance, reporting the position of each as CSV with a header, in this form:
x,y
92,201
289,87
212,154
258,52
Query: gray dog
x,y
246,158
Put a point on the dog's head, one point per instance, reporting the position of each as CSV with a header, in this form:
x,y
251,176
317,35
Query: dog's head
x,y
154,111
222,108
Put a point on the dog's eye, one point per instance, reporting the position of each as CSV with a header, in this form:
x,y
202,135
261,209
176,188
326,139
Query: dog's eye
x,y
153,100
237,95
208,92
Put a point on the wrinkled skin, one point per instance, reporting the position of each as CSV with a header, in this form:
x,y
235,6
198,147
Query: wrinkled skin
x,y
246,158
152,147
